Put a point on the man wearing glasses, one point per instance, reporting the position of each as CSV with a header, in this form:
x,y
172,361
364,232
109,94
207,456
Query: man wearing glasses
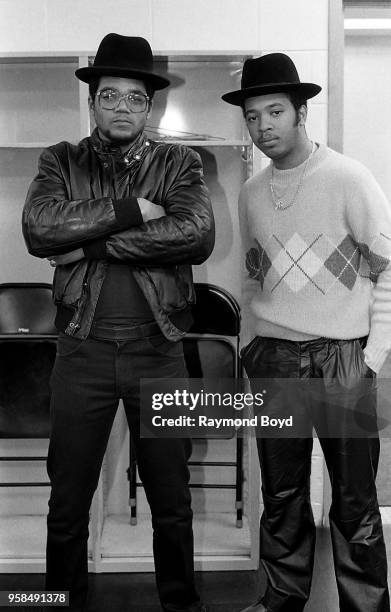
x,y
121,218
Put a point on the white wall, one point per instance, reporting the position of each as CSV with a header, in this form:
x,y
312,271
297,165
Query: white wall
x,y
367,137
54,25
367,110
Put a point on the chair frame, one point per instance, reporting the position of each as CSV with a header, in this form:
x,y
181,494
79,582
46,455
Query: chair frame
x,y
233,342
24,337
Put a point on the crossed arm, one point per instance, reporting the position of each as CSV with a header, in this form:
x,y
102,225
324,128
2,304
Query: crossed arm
x,y
148,210
133,229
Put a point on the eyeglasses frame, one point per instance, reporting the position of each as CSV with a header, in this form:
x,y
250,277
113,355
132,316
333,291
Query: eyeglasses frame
x,y
124,97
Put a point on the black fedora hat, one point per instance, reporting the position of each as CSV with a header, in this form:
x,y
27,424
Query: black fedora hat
x,y
123,56
271,73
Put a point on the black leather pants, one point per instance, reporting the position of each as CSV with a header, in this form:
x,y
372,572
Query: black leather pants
x,y
287,531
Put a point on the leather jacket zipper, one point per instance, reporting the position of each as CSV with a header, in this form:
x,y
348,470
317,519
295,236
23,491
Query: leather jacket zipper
x,y
74,324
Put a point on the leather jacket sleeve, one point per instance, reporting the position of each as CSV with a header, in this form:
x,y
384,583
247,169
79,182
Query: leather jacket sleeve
x,y
54,223
184,235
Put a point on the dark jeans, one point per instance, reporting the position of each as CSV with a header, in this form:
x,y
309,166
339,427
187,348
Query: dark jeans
x,y
287,531
88,379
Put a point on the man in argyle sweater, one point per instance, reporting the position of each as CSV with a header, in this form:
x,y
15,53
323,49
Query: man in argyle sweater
x,y
316,231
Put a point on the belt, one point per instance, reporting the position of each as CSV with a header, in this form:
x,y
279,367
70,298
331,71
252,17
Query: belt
x,y
311,345
121,332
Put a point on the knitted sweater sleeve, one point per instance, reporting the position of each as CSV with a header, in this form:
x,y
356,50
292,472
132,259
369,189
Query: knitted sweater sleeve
x,y
369,216
249,271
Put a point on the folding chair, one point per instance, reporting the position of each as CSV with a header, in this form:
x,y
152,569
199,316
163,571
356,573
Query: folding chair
x,y
27,353
211,349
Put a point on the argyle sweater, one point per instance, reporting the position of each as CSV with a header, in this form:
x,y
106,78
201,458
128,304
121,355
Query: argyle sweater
x,y
320,268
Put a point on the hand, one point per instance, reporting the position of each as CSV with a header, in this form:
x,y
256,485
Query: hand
x,y
66,258
149,210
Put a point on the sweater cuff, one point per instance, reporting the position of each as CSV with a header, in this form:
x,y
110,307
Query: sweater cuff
x,y
95,249
127,212
375,356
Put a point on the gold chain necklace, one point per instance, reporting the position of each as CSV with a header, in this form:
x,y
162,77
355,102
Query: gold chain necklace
x,y
277,202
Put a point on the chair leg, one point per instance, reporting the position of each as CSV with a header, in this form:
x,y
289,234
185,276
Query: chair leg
x,y
239,481
132,478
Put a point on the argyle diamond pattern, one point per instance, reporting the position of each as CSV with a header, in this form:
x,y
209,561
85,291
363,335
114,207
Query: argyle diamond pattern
x,y
344,262
296,263
258,263
377,263
318,263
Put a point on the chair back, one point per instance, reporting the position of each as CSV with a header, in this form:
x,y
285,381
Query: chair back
x,y
27,354
215,312
211,348
26,310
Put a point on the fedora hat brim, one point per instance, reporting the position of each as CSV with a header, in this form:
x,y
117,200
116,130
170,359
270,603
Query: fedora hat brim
x,y
91,72
307,90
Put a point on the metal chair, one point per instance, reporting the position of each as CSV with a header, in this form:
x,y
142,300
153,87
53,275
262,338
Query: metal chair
x,y
27,353
211,349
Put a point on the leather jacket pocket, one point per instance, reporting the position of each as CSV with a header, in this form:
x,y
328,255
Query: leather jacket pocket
x,y
68,283
169,289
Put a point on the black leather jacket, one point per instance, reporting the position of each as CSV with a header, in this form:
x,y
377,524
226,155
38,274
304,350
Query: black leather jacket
x,y
72,203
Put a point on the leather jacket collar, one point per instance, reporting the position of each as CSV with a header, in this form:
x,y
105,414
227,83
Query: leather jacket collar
x,y
131,158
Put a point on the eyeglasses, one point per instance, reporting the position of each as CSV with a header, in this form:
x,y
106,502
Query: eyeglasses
x,y
109,99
